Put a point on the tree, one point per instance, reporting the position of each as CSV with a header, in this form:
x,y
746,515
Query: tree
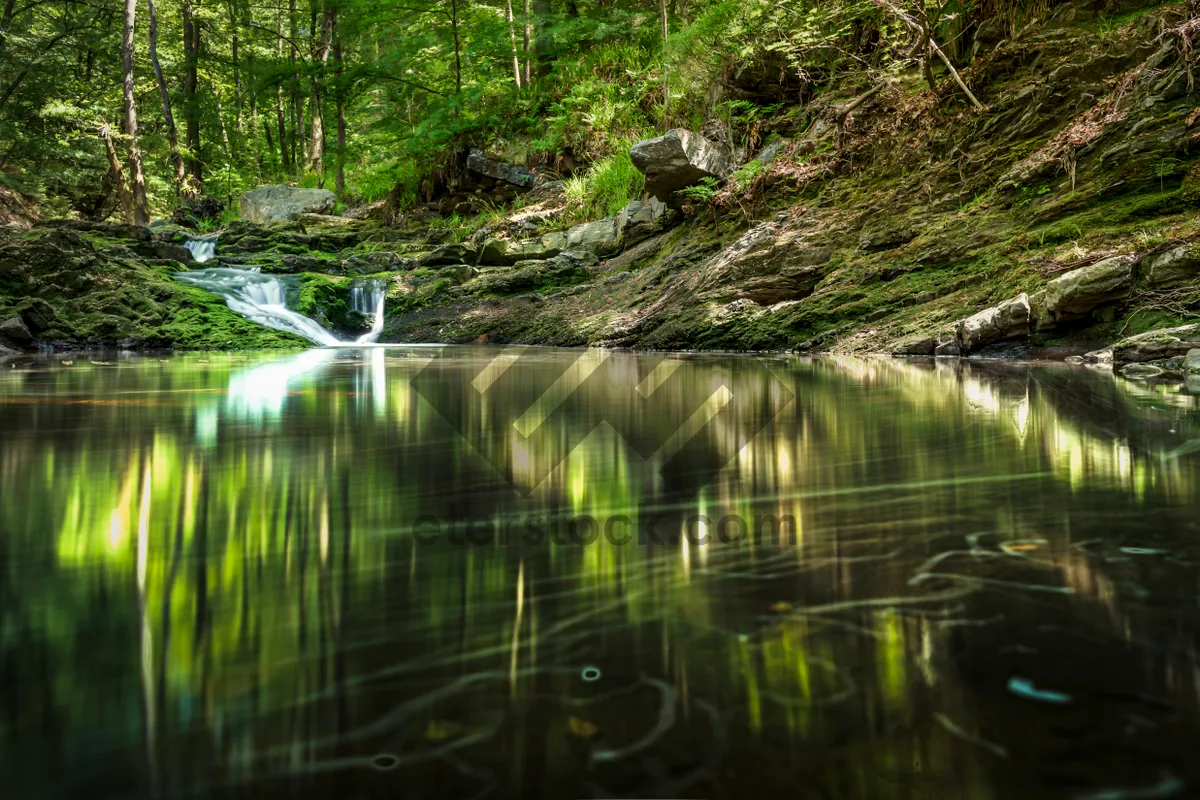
x,y
191,53
512,35
168,117
139,213
320,57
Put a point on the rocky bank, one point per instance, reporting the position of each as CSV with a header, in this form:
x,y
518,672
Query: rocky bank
x,y
1058,221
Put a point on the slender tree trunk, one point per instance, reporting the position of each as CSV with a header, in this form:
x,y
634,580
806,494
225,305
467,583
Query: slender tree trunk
x,y
299,140
237,74
118,173
527,37
340,94
141,211
512,36
316,100
191,54
280,117
168,117
267,131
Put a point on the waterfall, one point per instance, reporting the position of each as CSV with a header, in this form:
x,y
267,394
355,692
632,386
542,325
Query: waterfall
x,y
262,299
259,298
369,301
202,249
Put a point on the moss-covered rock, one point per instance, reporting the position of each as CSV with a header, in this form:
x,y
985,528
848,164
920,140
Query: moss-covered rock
x,y
57,278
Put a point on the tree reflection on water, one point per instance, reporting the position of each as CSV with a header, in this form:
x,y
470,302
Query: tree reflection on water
x,y
211,585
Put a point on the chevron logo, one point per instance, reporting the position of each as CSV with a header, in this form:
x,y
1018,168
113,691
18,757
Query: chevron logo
x,y
526,409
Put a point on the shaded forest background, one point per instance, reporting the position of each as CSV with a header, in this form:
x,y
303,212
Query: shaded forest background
x,y
129,108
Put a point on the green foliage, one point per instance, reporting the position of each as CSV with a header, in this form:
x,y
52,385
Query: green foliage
x,y
702,192
607,187
414,89
745,176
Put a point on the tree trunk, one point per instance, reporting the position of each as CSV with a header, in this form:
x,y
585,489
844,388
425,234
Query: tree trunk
x,y
512,35
321,48
191,54
118,173
237,75
339,93
141,211
280,117
168,117
299,140
528,36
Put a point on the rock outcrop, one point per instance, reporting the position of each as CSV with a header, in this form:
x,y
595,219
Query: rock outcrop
x,y
1008,320
1156,345
1191,362
768,264
480,164
448,255
1075,293
282,203
13,330
678,159
506,252
1172,267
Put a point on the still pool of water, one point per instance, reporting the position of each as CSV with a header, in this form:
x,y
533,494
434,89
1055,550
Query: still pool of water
x,y
480,572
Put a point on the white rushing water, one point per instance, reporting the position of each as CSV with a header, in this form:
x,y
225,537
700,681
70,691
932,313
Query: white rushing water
x,y
259,298
202,249
369,300
262,298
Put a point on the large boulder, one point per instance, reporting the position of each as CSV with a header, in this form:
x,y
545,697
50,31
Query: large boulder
x,y
282,203
480,164
448,255
768,264
641,219
602,237
678,159
505,252
37,314
1191,363
13,330
1153,346
1075,293
1008,320
458,273
1172,267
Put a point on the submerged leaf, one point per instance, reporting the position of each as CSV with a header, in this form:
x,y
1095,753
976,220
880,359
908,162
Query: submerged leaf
x,y
581,728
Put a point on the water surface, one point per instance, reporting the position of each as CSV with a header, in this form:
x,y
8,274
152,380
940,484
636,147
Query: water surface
x,y
475,572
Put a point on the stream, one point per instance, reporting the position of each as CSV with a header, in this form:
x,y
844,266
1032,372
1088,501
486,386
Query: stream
x,y
527,572
263,298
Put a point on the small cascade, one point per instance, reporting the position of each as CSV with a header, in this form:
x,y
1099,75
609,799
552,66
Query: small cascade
x,y
368,300
262,298
259,298
202,249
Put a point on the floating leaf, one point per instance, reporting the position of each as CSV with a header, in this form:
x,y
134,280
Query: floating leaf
x,y
581,728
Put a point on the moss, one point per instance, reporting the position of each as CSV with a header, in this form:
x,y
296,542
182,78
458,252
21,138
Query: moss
x,y
101,300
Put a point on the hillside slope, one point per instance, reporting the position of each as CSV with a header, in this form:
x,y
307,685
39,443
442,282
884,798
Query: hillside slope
x,y
880,229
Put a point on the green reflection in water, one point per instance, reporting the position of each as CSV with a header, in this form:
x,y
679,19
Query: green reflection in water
x,y
211,581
